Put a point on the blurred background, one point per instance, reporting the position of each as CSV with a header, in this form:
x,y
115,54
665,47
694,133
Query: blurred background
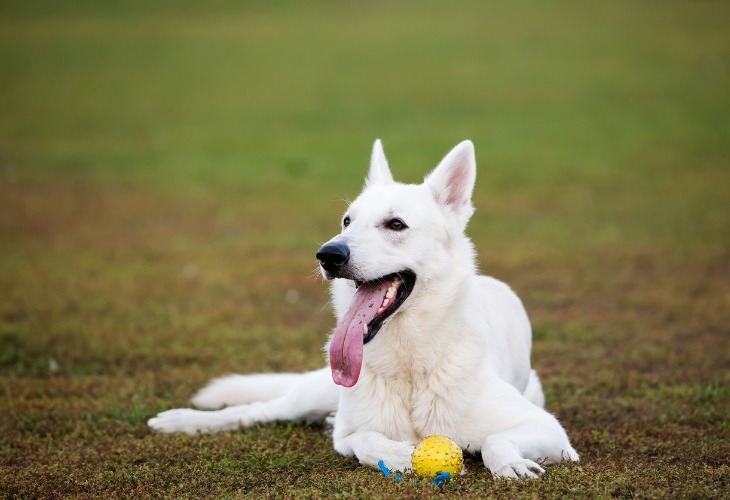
x,y
168,170
181,162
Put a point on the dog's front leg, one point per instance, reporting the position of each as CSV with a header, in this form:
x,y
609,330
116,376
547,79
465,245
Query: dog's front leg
x,y
515,453
370,447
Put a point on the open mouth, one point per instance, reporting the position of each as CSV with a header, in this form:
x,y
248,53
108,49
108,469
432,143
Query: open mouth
x,y
373,303
399,288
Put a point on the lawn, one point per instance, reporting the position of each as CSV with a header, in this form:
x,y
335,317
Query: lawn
x,y
168,170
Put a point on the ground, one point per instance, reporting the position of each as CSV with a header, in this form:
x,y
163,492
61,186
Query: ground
x,y
168,170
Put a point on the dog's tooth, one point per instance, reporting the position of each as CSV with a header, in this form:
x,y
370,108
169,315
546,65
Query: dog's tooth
x,y
386,303
364,329
389,294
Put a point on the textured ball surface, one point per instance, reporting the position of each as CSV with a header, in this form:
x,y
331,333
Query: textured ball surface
x,y
436,454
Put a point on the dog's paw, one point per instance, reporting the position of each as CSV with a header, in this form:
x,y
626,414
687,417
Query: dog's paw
x,y
520,469
397,457
395,464
570,454
187,421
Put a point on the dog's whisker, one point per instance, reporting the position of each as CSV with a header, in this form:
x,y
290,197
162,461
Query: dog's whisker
x,y
329,301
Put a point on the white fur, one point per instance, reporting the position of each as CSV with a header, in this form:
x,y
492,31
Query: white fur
x,y
453,360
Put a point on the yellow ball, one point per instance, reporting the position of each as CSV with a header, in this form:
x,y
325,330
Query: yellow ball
x,y
436,454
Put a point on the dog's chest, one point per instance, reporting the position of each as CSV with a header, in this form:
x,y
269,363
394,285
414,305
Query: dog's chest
x,y
414,405
430,413
412,390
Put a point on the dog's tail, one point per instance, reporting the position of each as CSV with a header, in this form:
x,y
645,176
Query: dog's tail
x,y
234,390
533,391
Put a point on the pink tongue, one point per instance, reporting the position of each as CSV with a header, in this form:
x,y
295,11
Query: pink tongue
x,y
346,344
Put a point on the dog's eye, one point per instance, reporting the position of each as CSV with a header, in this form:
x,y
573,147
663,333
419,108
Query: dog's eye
x,y
396,225
346,221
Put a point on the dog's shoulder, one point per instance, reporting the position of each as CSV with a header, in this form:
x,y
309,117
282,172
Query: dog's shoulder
x,y
494,290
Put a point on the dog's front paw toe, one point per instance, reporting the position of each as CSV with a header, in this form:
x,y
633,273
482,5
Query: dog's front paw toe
x,y
396,458
522,469
570,454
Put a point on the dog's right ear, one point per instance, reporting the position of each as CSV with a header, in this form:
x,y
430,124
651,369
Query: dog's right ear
x,y
452,181
379,172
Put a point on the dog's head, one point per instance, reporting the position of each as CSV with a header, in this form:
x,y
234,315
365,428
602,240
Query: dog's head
x,y
397,239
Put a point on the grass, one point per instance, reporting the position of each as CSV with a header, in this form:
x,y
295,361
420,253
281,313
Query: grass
x,y
155,159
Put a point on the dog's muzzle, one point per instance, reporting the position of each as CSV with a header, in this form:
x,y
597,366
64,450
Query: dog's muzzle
x,y
333,256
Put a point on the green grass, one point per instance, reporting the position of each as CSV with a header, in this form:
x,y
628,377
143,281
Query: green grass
x,y
168,169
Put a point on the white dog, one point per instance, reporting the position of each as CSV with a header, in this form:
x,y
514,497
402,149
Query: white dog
x,y
423,344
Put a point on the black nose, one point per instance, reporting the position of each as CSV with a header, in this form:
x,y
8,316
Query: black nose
x,y
333,256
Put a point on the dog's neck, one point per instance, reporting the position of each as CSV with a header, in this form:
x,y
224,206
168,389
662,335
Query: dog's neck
x,y
433,304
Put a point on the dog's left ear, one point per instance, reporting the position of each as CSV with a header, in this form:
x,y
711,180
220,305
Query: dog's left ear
x,y
379,172
452,182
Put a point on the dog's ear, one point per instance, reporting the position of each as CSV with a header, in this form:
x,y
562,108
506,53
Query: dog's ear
x,y
452,182
379,172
